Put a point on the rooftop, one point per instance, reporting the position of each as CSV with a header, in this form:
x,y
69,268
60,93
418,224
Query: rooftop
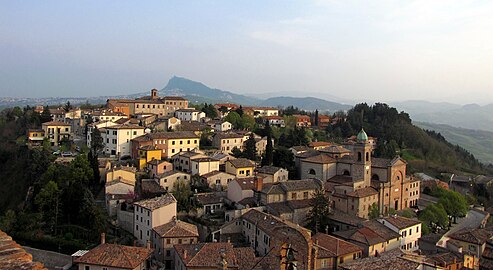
x,y
168,135
55,123
208,198
393,259
242,163
157,202
333,246
401,222
269,169
14,257
210,255
114,255
474,236
177,228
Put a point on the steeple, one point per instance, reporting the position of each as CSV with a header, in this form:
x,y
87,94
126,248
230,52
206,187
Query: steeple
x,y
362,137
361,168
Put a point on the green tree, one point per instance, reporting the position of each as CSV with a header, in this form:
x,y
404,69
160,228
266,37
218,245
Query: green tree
x,y
67,106
250,150
209,110
48,202
284,158
235,152
223,109
269,149
45,115
247,122
316,118
8,221
235,119
182,192
454,203
434,215
373,211
318,216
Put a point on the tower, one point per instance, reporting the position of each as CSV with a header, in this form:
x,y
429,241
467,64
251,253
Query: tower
x,y
361,169
154,94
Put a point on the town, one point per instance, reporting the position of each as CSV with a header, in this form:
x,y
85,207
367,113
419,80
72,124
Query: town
x,y
176,185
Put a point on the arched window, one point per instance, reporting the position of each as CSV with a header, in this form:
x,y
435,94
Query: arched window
x,y
346,172
359,156
312,172
375,177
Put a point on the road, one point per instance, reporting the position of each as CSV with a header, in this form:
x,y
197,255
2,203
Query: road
x,y
472,220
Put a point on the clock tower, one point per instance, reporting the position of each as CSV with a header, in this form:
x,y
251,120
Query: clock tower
x,y
361,168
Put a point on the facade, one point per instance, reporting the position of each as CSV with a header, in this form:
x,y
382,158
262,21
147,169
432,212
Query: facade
x,y
240,189
168,179
170,143
147,154
165,236
261,111
126,173
226,141
57,131
272,174
291,190
156,167
220,126
151,213
275,121
189,114
302,120
409,229
35,136
117,138
216,179
330,252
183,160
116,192
201,166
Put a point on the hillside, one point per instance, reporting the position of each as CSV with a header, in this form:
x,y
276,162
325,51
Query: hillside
x,y
425,151
307,103
478,142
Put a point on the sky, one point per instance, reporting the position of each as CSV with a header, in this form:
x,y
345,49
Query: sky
x,y
356,50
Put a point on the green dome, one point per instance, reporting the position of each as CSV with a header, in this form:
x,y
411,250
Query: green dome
x,y
362,137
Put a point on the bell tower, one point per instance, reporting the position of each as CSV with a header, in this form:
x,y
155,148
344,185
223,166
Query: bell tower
x,y
361,168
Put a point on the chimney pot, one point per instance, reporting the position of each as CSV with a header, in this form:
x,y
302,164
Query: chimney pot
x,y
148,244
103,238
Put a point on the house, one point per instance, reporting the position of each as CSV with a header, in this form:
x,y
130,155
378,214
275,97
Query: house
x,y
204,165
156,167
268,235
106,115
150,213
202,256
260,145
117,138
183,160
472,241
331,251
319,145
216,179
240,167
302,120
117,192
150,188
226,141
115,257
222,157
219,125
395,259
275,121
211,202
323,121
189,114
291,190
170,143
35,137
272,174
57,115
126,173
341,221
168,179
148,153
295,211
409,229
228,106
373,237
56,132
261,111
241,188
98,125
166,123
165,236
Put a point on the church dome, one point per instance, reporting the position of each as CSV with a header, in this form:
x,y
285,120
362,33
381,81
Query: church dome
x,y
362,137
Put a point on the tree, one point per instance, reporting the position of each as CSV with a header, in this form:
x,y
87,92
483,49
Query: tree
x,y
235,119
67,106
182,192
48,202
318,216
235,152
454,203
239,111
247,122
223,109
434,216
269,149
284,158
45,115
373,211
316,118
93,156
8,221
209,110
250,150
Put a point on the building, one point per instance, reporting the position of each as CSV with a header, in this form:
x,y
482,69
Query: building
x,y
291,190
319,145
126,173
323,121
115,257
166,123
472,241
56,132
168,179
106,115
240,167
156,167
241,188
357,180
117,192
117,138
14,257
226,141
260,145
261,111
302,120
165,236
409,229
205,165
205,256
272,174
151,213
394,259
216,179
35,137
330,252
170,143
189,114
275,121
219,125
211,202
183,160
148,153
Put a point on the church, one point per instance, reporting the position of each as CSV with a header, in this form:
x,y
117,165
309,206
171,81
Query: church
x,y
355,180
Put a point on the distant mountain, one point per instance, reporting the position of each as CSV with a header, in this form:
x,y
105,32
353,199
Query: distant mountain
x,y
307,103
478,142
192,90
421,106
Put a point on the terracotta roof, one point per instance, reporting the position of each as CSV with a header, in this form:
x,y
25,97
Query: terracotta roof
x,y
177,228
241,163
443,259
294,185
362,235
55,123
169,173
151,186
342,217
113,255
380,162
334,246
167,135
208,198
206,255
382,230
393,259
157,202
475,236
401,222
213,173
246,183
363,192
14,257
269,169
319,144
272,188
321,159
174,98
228,135
279,208
335,149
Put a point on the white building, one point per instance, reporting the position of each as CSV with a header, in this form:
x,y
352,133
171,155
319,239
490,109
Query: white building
x,y
151,213
219,126
189,114
117,138
409,229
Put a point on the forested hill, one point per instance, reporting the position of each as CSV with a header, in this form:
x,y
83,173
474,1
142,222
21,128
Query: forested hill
x,y
424,150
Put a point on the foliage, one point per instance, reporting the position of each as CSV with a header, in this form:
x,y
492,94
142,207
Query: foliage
x,y
284,158
48,203
234,118
45,115
373,211
318,216
182,192
67,106
453,202
7,221
209,110
269,149
250,150
434,216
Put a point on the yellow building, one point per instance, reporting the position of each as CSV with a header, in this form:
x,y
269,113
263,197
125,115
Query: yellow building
x,y
170,143
56,131
240,167
121,172
35,136
147,154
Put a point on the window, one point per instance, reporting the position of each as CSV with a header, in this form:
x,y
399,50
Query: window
x,y
135,132
87,267
172,142
179,241
168,241
293,196
168,252
305,195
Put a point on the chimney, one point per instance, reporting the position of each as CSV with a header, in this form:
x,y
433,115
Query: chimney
x,y
229,239
103,238
259,183
185,254
148,244
135,243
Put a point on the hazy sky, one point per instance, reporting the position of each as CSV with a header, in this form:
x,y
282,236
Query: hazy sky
x,y
378,50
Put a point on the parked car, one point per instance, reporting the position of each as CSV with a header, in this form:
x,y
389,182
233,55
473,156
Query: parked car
x,y
56,153
67,154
